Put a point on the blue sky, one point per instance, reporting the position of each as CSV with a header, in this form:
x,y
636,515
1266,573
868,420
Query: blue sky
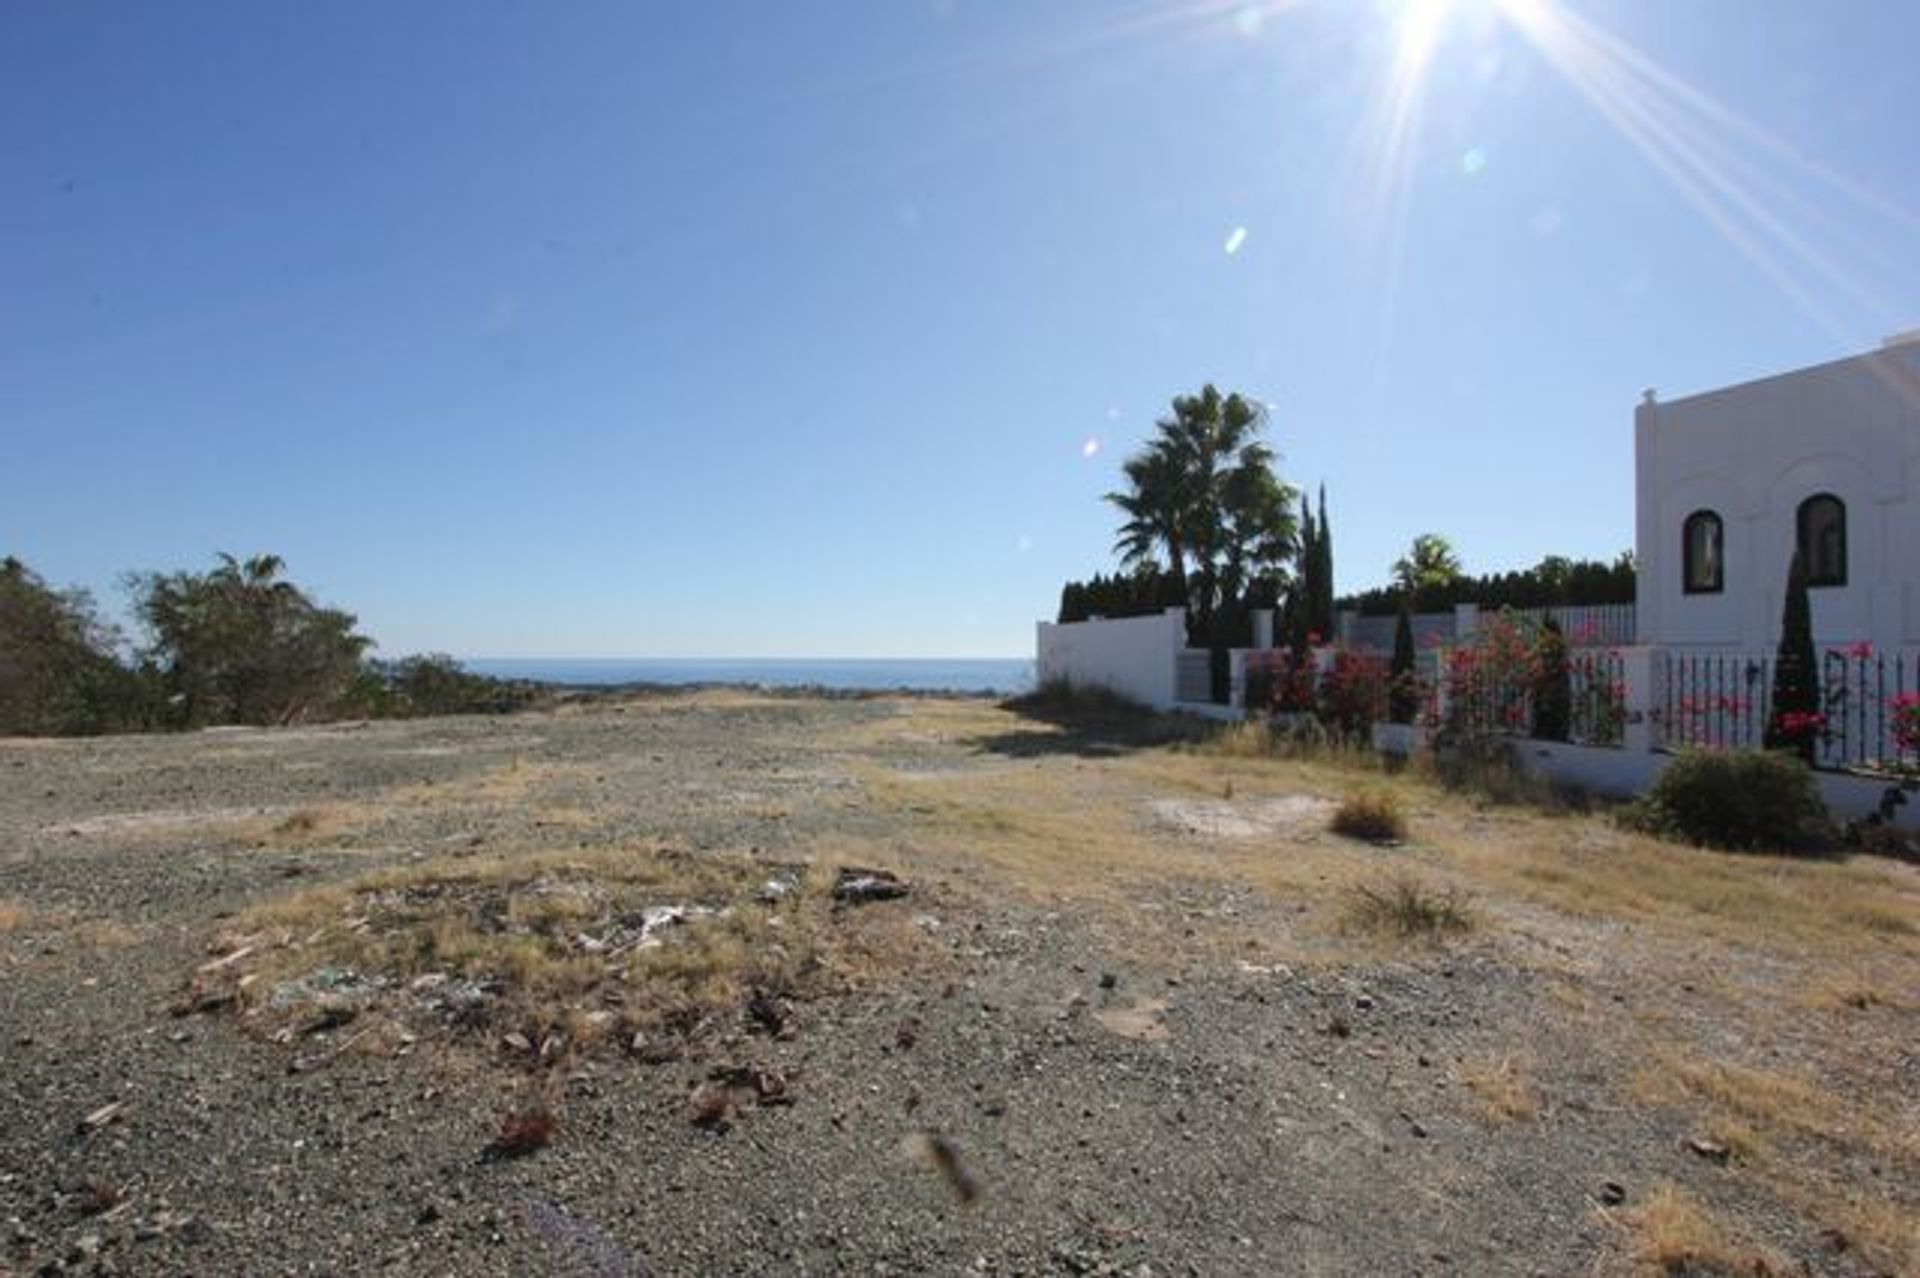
x,y
773,329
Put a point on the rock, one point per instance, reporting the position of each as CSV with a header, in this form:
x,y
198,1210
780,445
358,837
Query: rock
x,y
1612,1193
1109,981
518,1042
101,1117
1709,1149
782,885
856,886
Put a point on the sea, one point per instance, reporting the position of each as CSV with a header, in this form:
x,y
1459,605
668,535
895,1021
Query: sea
x,y
1003,675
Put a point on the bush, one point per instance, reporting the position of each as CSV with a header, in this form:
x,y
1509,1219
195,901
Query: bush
x,y
59,670
1373,815
241,644
1353,693
1407,909
1063,698
1745,800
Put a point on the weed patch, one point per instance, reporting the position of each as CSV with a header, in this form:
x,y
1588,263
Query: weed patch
x,y
1504,1086
1672,1232
545,955
1373,815
1405,908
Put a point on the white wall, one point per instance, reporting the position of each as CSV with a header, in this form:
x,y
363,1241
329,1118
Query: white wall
x,y
1622,774
1752,453
1133,656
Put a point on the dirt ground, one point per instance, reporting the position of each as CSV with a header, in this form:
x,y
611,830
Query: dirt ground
x,y
580,992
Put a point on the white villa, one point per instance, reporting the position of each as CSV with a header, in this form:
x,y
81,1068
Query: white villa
x,y
1728,483
1729,486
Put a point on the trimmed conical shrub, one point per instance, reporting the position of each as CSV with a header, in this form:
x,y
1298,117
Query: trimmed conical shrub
x,y
1552,685
1795,722
1403,686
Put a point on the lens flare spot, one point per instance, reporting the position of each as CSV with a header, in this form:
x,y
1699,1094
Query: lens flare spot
x,y
1235,240
1090,447
1473,161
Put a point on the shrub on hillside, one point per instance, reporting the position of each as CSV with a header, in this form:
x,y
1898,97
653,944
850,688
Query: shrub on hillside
x,y
242,644
1064,698
1372,815
59,672
436,684
1748,800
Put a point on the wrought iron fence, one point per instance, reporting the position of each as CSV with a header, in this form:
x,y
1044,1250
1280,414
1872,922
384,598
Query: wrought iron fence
x,y
1598,713
1588,708
1868,714
1193,675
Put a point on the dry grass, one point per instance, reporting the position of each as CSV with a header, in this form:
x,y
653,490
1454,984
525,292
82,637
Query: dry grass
x,y
1504,1086
1777,1103
13,915
1407,909
1771,1122
1585,868
551,952
1672,1232
1373,814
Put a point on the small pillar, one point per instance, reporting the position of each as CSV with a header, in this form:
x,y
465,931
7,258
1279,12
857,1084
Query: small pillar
x,y
1263,627
1641,672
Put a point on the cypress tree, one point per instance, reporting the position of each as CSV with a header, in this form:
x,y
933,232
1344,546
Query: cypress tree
x,y
1403,691
1552,685
1794,723
1300,595
1323,572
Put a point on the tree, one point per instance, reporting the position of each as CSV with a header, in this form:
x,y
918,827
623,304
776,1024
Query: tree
x,y
1204,492
1555,575
1299,620
58,671
242,645
1428,565
1157,504
1321,594
1795,721
1552,685
1403,684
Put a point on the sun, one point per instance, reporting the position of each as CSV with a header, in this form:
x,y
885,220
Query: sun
x,y
1420,24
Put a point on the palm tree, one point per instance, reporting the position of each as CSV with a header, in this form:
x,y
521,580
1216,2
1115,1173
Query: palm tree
x,y
1204,491
1428,564
1155,506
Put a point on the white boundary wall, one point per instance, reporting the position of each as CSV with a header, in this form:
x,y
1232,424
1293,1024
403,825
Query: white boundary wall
x,y
1623,774
1133,656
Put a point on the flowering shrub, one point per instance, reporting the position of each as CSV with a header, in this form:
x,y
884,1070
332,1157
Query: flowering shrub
x,y
1280,682
1353,693
1906,727
1797,730
1488,683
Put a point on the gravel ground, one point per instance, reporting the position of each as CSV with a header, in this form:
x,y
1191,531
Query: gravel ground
x,y
1116,1109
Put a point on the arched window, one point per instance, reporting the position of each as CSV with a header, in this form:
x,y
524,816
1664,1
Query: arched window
x,y
1701,554
1822,528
